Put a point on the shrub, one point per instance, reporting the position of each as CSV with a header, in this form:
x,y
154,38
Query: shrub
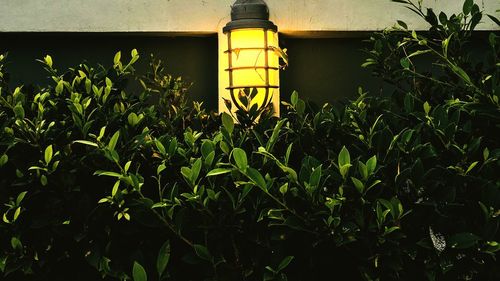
x,y
97,182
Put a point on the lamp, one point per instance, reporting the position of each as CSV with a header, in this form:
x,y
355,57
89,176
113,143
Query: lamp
x,y
250,59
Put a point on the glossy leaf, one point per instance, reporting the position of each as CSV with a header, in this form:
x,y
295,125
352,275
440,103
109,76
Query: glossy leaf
x,y
113,140
256,178
202,252
218,171
138,272
228,122
240,158
344,157
163,258
48,154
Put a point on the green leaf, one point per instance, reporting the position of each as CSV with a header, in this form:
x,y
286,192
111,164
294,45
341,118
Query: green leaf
x,y
427,108
405,63
240,157
102,131
402,24
207,147
493,247
117,58
113,140
461,73
59,87
373,185
418,53
315,177
284,263
301,107
16,213
467,8
160,147
115,188
107,174
284,189
109,83
228,122
202,252
127,166
134,53
4,159
291,172
19,174
494,19
16,243
20,197
463,240
486,154
218,171
443,18
89,143
138,272
43,180
256,178
195,171
275,135
371,165
133,119
172,147
471,167
358,184
209,159
294,98
186,172
19,111
163,258
48,154
445,44
3,259
160,168
344,157
48,60
88,85
344,170
389,230
288,152
363,170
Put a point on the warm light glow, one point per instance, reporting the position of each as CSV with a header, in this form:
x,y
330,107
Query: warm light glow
x,y
250,60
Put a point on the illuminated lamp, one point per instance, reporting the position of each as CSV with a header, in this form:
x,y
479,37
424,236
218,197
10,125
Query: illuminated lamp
x,y
250,59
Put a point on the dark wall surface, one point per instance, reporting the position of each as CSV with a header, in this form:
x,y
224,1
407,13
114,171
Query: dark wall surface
x,y
193,58
321,70
325,69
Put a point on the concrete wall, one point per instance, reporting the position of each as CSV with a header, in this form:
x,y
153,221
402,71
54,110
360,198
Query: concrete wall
x,y
208,16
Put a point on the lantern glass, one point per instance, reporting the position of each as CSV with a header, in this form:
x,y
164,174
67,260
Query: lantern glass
x,y
252,62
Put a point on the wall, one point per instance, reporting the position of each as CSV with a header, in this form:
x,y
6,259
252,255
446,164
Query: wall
x,y
208,16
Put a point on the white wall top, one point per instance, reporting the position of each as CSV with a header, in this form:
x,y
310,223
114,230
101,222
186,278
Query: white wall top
x,y
209,16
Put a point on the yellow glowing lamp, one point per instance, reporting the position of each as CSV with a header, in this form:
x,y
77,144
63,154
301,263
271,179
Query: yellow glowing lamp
x,y
251,60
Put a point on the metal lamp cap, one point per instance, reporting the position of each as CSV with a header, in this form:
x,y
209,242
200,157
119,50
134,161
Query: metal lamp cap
x,y
250,14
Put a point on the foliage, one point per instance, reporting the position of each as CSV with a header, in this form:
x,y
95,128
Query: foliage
x,y
248,111
442,117
398,186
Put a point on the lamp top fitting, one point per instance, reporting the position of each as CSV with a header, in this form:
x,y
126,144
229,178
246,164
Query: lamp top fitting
x,y
249,9
249,14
